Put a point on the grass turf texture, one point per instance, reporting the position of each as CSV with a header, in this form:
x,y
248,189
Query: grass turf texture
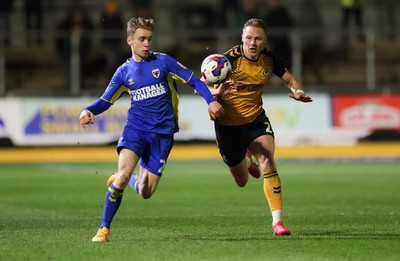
x,y
336,211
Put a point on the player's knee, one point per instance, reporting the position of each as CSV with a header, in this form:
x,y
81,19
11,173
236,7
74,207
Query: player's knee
x,y
240,175
146,194
267,161
241,182
123,178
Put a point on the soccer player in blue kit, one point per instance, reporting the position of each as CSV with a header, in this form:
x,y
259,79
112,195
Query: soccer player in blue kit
x,y
149,77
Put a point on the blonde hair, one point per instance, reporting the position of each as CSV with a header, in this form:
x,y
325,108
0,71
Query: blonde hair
x,y
139,22
255,22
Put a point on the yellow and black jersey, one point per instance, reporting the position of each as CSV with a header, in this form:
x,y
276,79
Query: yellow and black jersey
x,y
249,78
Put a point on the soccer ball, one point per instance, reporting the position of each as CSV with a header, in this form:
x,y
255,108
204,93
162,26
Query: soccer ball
x,y
215,68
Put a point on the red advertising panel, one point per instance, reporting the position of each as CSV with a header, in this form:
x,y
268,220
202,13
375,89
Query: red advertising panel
x,y
366,111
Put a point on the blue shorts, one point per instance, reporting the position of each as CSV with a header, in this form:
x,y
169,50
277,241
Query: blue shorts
x,y
152,148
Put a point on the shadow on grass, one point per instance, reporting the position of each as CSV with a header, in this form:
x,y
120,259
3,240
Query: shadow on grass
x,y
326,235
227,237
347,235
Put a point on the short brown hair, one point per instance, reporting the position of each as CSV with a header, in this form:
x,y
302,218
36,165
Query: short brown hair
x,y
139,22
255,22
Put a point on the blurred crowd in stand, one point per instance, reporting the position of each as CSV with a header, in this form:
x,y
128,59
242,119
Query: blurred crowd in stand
x,y
53,26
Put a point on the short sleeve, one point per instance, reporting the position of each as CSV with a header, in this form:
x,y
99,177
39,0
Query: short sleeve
x,y
279,65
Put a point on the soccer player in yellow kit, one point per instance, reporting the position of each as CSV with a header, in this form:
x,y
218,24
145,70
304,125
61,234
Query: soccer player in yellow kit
x,y
244,130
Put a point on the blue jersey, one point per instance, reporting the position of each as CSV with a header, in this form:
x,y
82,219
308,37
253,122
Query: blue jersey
x,y
152,89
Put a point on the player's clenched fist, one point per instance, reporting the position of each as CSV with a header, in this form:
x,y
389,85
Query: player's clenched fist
x,y
215,110
86,117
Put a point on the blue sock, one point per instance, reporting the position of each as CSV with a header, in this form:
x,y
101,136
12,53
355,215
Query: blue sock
x,y
133,182
111,205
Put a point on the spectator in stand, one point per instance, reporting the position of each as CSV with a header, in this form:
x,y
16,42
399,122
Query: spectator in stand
x,y
77,23
249,10
143,8
280,22
33,20
112,25
387,17
229,9
310,25
352,8
6,7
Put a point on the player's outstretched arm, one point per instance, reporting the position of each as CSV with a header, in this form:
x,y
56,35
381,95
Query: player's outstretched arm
x,y
86,117
215,109
220,89
87,114
295,86
225,88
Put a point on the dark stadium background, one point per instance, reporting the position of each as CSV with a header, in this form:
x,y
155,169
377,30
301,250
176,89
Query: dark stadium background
x,y
326,58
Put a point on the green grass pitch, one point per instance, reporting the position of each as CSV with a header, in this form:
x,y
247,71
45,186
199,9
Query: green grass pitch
x,y
336,211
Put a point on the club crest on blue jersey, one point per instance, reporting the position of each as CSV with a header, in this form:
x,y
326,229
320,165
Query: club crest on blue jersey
x,y
131,82
156,73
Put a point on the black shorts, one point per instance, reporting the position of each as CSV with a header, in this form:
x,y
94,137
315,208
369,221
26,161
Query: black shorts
x,y
233,141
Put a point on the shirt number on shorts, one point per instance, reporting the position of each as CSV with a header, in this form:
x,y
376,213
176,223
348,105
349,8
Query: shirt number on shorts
x,y
160,170
268,128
